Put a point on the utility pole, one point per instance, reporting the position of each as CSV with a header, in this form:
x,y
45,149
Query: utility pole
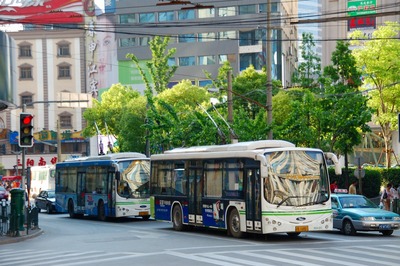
x,y
232,135
269,70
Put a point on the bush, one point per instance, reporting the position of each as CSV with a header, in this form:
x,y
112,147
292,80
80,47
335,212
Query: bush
x,y
371,183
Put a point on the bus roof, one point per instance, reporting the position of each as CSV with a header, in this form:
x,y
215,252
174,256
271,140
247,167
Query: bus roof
x,y
110,157
240,146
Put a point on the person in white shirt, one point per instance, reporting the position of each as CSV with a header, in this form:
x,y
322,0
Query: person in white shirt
x,y
386,197
395,192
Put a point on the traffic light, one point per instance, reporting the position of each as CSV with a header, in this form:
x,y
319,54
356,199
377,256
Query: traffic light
x,y
25,130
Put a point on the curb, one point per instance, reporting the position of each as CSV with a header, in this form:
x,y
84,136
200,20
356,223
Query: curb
x,y
16,239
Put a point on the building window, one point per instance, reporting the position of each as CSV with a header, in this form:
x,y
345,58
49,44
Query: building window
x,y
166,16
247,9
227,11
207,13
227,35
65,120
64,71
263,8
127,42
63,49
206,60
186,38
147,17
206,37
27,27
144,41
26,98
187,61
127,18
255,59
226,57
171,61
25,51
25,72
186,14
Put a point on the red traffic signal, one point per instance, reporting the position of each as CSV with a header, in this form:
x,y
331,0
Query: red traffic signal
x,y
25,130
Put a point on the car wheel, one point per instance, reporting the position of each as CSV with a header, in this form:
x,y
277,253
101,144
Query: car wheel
x,y
348,228
48,209
387,233
177,222
234,224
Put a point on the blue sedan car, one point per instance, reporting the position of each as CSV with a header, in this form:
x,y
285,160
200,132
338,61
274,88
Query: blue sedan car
x,y
352,213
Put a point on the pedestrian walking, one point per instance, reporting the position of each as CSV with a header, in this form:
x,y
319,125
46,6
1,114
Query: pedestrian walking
x,y
353,188
386,197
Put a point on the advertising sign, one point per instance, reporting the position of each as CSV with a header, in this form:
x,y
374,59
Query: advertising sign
x,y
41,12
361,8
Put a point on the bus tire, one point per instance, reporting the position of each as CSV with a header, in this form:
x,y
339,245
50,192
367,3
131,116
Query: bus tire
x,y
177,222
101,212
234,224
71,212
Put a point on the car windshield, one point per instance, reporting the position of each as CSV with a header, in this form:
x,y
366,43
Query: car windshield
x,y
356,202
51,194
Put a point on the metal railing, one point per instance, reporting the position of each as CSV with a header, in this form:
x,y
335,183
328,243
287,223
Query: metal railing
x,y
5,212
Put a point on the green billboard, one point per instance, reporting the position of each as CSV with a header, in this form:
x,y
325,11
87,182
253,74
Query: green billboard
x,y
128,73
361,8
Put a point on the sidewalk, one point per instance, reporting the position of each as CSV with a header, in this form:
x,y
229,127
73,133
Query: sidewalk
x,y
22,236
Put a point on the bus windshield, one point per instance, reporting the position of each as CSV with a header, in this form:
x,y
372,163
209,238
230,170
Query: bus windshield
x,y
134,181
296,178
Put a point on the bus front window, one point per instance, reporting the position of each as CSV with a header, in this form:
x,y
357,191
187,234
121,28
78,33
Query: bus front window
x,y
135,178
296,178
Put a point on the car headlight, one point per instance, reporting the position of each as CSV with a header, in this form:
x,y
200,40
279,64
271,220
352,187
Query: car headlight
x,y
367,219
396,218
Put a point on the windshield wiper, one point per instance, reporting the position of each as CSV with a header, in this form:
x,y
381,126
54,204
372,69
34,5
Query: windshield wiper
x,y
285,199
312,203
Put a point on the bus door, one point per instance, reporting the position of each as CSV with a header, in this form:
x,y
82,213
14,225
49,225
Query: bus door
x,y
253,200
80,190
194,192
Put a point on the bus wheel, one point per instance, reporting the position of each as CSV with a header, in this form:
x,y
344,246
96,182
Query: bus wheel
x,y
71,209
234,224
177,218
101,213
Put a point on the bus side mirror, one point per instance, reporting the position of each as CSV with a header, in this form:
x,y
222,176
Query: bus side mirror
x,y
118,176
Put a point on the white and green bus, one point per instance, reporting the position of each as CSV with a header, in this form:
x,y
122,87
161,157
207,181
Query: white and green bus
x,y
112,185
261,187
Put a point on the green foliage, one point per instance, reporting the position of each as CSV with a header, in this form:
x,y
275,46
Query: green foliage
x,y
160,71
309,71
378,60
122,109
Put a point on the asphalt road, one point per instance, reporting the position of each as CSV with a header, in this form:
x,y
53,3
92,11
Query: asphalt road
x,y
131,241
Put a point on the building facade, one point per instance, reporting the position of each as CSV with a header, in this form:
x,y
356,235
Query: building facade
x,y
206,37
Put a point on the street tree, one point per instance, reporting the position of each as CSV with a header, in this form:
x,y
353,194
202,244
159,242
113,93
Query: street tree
x,y
309,70
379,61
177,119
110,115
345,111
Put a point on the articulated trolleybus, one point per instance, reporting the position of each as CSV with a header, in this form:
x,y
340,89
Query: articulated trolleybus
x,y
112,185
263,187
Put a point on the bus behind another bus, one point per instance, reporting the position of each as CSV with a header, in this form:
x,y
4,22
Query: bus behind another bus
x,y
259,187
112,185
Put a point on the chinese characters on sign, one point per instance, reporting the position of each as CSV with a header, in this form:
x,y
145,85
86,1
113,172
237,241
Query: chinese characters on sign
x,y
42,161
92,65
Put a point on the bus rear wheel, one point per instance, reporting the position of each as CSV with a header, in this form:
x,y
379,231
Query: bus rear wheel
x,y
177,222
101,212
71,212
234,224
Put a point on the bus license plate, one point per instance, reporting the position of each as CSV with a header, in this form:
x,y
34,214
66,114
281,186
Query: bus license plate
x,y
301,228
143,213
